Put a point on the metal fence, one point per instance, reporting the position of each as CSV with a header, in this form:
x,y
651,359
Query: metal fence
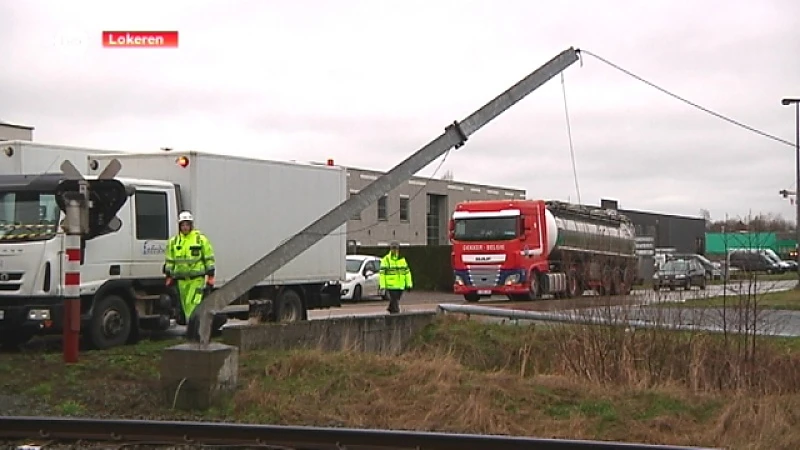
x,y
585,317
153,433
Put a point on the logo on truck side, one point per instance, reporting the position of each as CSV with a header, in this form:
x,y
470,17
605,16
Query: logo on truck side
x,y
154,248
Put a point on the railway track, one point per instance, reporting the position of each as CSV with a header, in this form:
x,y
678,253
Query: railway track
x,y
56,432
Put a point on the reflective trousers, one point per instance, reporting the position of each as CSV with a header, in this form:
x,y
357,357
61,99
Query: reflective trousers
x,y
191,292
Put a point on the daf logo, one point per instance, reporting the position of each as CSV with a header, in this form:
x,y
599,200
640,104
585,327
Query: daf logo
x,y
4,277
477,258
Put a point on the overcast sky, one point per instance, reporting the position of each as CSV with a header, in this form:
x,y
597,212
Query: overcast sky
x,y
369,82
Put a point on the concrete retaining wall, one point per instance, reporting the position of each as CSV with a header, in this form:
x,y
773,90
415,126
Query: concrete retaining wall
x,y
384,334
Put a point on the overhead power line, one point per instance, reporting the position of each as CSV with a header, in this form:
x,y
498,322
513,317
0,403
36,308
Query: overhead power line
x,y
688,102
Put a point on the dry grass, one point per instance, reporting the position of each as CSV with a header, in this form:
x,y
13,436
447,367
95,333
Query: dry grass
x,y
565,381
570,381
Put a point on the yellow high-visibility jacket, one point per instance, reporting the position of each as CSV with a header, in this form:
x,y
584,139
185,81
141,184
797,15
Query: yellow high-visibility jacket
x,y
394,273
189,256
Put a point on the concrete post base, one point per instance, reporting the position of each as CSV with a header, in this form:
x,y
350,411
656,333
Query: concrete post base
x,y
195,376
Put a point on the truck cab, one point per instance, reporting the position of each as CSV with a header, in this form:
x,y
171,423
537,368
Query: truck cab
x,y
122,258
496,248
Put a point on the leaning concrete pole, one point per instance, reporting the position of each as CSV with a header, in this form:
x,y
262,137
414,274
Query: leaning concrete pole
x,y
455,135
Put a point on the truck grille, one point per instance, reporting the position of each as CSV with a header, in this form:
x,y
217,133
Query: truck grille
x,y
10,281
484,276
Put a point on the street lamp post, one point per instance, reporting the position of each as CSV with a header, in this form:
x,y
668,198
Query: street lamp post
x,y
796,103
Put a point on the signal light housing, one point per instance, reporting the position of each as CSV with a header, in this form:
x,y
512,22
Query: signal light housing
x,y
182,161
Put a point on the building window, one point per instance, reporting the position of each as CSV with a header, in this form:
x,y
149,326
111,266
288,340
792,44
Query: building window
x,y
152,221
433,218
382,209
404,201
356,215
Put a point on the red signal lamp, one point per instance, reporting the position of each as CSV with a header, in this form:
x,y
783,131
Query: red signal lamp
x,y
182,161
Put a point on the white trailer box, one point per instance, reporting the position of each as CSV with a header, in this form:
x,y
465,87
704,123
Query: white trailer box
x,y
247,207
25,157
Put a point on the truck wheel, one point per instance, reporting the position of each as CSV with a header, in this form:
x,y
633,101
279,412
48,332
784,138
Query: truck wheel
x,y
290,306
111,323
572,284
606,282
472,297
534,287
628,278
616,282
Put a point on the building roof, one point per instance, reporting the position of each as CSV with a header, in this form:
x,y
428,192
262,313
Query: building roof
x,y
11,125
426,179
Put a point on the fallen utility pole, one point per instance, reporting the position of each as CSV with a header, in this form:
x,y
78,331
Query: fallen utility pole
x,y
455,135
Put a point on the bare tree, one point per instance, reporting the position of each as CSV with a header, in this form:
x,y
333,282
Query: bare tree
x,y
760,222
448,175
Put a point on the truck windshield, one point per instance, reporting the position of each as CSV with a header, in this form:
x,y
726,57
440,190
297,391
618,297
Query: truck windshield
x,y
28,216
486,229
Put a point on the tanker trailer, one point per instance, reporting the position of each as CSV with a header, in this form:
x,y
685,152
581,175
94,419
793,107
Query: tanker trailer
x,y
525,249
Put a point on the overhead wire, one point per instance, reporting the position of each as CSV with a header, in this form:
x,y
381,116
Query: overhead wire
x,y
688,102
569,137
582,52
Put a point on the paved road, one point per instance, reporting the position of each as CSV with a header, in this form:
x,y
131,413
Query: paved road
x,y
743,313
428,301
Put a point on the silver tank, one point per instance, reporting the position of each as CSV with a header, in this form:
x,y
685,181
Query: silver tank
x,y
577,228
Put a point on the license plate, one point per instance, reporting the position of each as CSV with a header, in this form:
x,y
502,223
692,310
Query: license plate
x,y
485,292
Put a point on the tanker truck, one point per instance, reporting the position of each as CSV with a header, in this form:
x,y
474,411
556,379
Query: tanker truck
x,y
525,249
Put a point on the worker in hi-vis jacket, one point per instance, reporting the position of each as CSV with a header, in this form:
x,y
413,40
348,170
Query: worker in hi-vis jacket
x,y
190,265
394,277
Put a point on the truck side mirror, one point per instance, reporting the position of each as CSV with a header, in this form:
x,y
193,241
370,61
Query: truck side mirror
x,y
451,229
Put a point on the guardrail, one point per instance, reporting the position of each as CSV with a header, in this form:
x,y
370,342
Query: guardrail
x,y
155,433
588,318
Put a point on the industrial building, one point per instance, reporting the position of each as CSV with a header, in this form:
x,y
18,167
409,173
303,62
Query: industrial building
x,y
684,234
12,132
415,213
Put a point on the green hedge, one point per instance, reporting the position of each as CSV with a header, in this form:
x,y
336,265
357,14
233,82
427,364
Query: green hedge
x,y
430,265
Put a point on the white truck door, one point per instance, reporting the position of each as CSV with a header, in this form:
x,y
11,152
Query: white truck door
x,y
151,229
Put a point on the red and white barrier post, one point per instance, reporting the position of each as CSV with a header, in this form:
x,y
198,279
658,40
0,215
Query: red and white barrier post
x,y
72,279
72,298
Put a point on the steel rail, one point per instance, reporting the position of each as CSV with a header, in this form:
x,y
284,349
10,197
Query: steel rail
x,y
291,437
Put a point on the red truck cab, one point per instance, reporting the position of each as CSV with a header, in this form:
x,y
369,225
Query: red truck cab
x,y
496,246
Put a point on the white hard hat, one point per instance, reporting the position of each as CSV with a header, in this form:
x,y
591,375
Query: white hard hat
x,y
185,216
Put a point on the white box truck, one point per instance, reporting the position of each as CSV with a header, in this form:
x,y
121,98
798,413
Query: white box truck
x,y
26,157
246,207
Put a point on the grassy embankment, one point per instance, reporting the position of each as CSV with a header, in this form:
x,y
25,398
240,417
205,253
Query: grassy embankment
x,y
461,376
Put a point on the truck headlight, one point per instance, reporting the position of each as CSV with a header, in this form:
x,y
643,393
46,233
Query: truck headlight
x,y
512,279
459,280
